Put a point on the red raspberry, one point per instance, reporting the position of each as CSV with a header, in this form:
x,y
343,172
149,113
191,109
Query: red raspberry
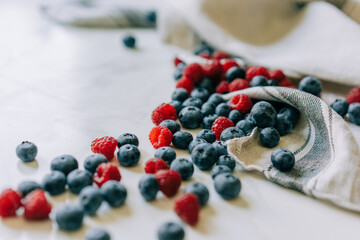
x,y
354,95
229,63
276,75
155,164
219,125
36,206
242,103
194,71
213,69
10,201
186,83
205,55
222,87
105,172
169,181
105,145
287,83
163,112
177,61
238,84
187,207
220,55
253,71
160,137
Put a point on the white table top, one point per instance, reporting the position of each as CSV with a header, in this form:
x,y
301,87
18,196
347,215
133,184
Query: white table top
x,y
62,87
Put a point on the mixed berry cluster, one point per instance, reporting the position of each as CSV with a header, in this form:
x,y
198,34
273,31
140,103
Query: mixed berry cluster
x,y
350,106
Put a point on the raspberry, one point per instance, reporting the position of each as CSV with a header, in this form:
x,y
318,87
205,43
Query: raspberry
x,y
253,71
185,83
276,75
229,63
194,72
354,95
220,55
187,207
205,55
36,206
160,137
105,146
169,181
222,87
219,125
10,201
177,61
163,112
287,83
242,103
238,84
105,172
213,69
155,164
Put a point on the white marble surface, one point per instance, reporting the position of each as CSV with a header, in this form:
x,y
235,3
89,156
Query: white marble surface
x,y
62,87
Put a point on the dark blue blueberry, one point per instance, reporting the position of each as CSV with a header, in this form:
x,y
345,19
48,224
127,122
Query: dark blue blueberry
x,y
235,72
235,116
28,186
97,234
207,135
179,94
264,114
250,118
171,231
181,66
172,125
215,98
26,151
90,199
310,85
200,190
291,113
128,138
177,105
258,81
282,159
114,193
93,161
148,187
128,155
196,142
269,137
222,109
226,160
208,85
151,16
54,183
184,167
192,102
166,153
208,109
227,185
177,73
209,120
218,169
220,148
204,156
190,117
78,179
201,93
354,113
203,48
273,83
283,124
69,216
340,106
230,133
129,41
182,139
64,163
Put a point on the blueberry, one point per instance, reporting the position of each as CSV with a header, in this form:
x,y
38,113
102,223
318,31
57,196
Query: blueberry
x,y
292,113
54,183
209,120
340,106
250,118
177,105
96,234
264,114
200,93
28,186
190,117
171,231
128,138
204,156
184,167
354,113
230,133
172,125
222,109
26,151
129,41
90,199
207,135
220,148
148,187
215,98
282,159
218,169
258,81
64,163
235,116
283,124
203,48
69,216
272,83
208,109
128,155
151,16
114,193
196,142
177,73
200,190
246,126
182,139
166,153
180,94
208,85
192,102
227,185
310,85
235,72
93,161
269,137
226,160
78,179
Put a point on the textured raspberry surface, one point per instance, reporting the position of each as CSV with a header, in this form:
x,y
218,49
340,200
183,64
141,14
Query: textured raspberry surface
x,y
242,103
169,181
222,87
287,83
105,146
276,75
205,55
177,61
220,55
228,63
238,84
10,201
163,112
160,137
36,206
213,70
105,172
354,95
155,164
185,83
219,125
194,72
253,71
187,207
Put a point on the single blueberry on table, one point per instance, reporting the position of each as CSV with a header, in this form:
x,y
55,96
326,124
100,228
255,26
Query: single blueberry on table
x,y
310,85
282,159
93,161
223,109
128,155
97,234
227,185
172,125
54,183
182,139
215,98
129,41
90,199
204,156
69,216
259,81
200,190
354,113
230,133
264,114
26,151
171,231
207,135
184,167
246,126
78,179
209,120
218,169
179,94
190,117
235,72
128,138
151,16
192,102
196,142
200,93
148,187
64,163
283,124
28,186
208,108
114,193
235,116
226,160
269,137
165,153
340,106
220,148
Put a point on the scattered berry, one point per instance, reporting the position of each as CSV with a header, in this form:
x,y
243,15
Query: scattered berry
x,y
64,163
36,207
223,87
149,187
310,85
227,185
282,159
93,161
90,199
165,153
10,201
235,116
228,63
216,99
177,61
246,126
209,120
78,179
213,69
276,75
194,72
28,186
172,125
96,234
223,110
269,137
196,142
234,73
163,112
192,102
129,41
200,190
177,105
127,138
207,108
354,113
105,145
207,84
242,103
178,71
184,167
128,155
264,114
187,207
340,106
273,83
230,133
259,81
219,125
182,139
155,164
218,169
220,148
171,231
105,172
54,183
253,71
26,151
238,84
114,193
226,160
205,55
204,156
354,95
200,93
292,113
185,83
283,124
190,117
179,94
207,135
69,216
160,137
169,181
